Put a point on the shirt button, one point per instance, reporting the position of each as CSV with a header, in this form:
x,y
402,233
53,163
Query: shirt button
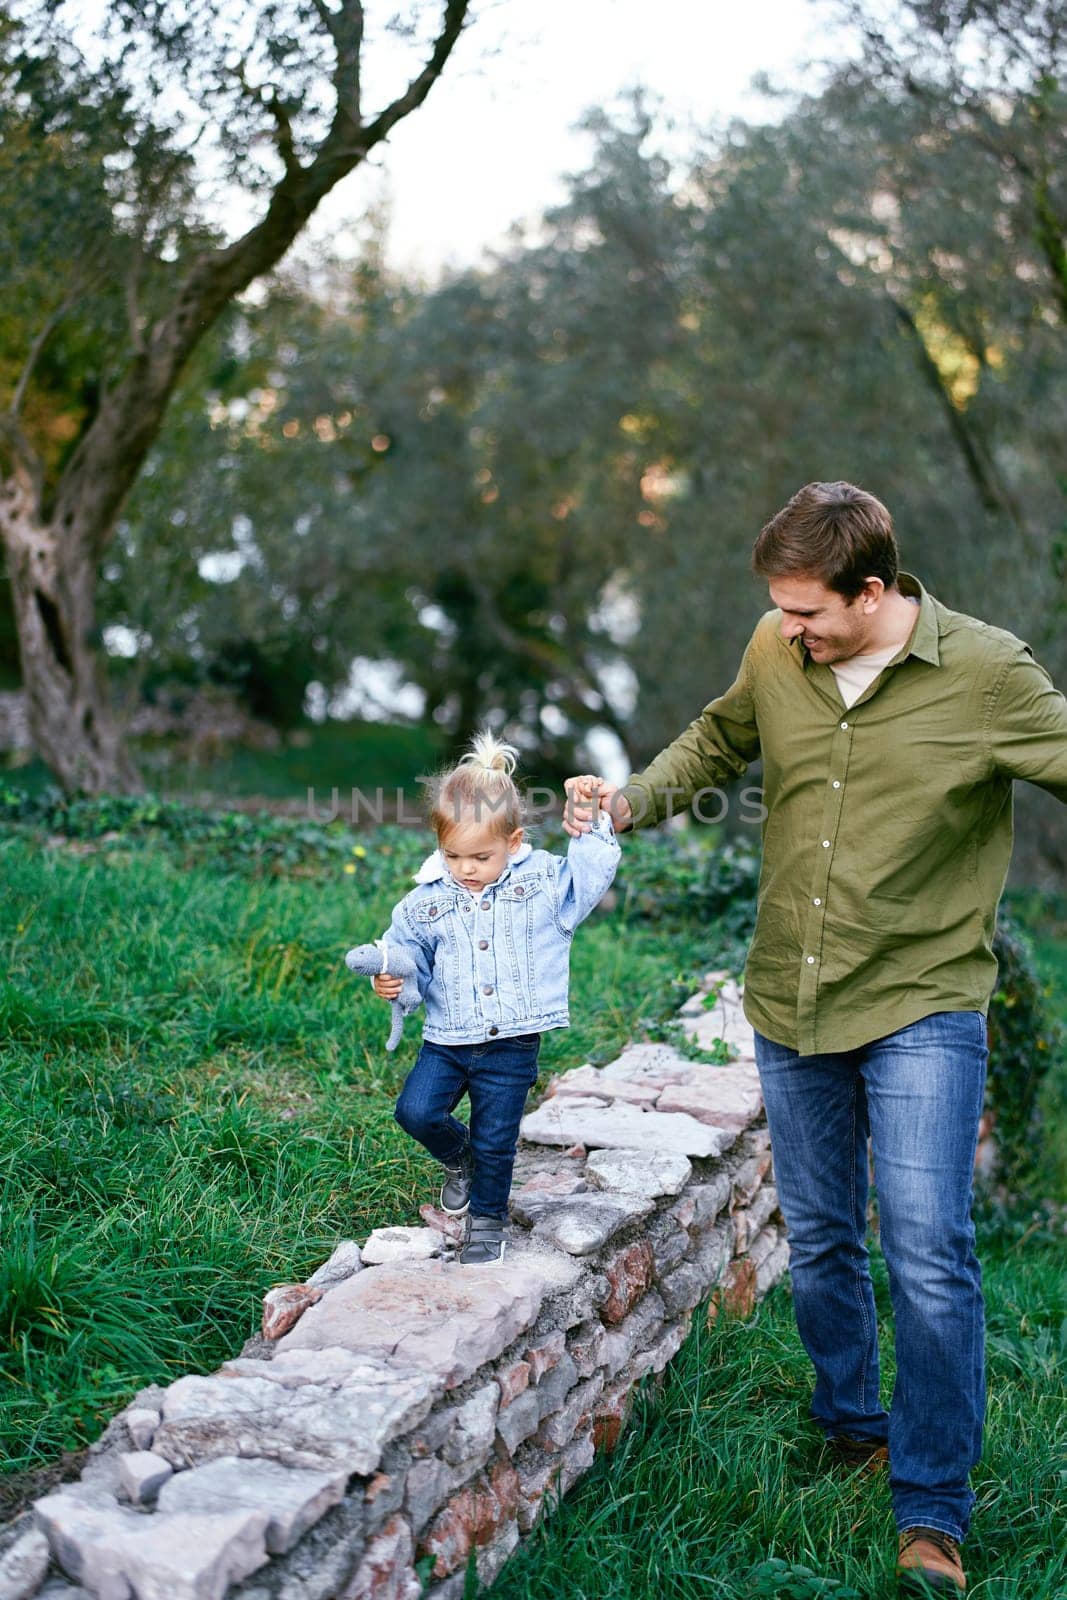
x,y
816,901
487,988
826,844
836,784
811,961
483,944
844,725
485,905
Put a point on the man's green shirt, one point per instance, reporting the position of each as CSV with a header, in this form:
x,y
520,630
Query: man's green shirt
x,y
889,824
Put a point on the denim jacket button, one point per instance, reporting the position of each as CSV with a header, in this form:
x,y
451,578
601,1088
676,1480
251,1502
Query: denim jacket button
x,y
494,1030
487,988
519,889
466,905
485,905
483,944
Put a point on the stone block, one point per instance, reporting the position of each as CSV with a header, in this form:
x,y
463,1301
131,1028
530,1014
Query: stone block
x,y
440,1317
292,1498
402,1244
670,1243
23,1565
474,1424
644,1173
665,1349
709,1200
749,1222
748,1177
284,1305
713,1251
642,1327
573,1416
142,1474
583,1224
726,1097
386,1571
599,1083
512,1380
345,1260
116,1554
611,1414
141,1423
557,1183
567,1120
472,1519
555,1386
519,1420
545,1353
429,1483
736,1295
451,1227
772,1268
683,1289
629,1273
586,1348
491,1561
320,1427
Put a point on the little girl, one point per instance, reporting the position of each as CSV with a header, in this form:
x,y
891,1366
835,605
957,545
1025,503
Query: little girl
x,y
489,926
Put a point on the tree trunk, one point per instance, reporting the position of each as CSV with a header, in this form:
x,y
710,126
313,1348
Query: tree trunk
x,y
71,718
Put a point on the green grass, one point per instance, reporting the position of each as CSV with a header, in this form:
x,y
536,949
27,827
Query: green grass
x,y
195,1103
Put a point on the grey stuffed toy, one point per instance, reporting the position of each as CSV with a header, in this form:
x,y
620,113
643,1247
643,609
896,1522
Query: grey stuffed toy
x,y
371,959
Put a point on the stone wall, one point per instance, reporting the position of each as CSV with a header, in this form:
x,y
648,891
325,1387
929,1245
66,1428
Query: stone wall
x,y
401,1409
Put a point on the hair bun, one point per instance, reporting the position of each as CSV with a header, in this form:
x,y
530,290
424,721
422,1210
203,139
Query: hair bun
x,y
491,755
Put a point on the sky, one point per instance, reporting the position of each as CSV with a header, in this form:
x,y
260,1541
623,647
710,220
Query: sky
x,y
491,144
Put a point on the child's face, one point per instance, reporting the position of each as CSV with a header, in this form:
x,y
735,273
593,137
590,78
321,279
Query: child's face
x,y
475,855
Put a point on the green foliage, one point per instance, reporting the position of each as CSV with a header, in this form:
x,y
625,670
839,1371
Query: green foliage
x,y
1026,1040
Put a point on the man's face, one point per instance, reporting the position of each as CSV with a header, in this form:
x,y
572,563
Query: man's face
x,y
831,627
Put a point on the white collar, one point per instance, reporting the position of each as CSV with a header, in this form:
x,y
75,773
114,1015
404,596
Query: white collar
x,y
434,867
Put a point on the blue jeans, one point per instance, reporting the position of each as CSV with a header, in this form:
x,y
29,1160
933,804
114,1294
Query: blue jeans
x,y
497,1074
918,1094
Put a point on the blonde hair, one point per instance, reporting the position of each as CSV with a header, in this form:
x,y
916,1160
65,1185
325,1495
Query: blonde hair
x,y
481,783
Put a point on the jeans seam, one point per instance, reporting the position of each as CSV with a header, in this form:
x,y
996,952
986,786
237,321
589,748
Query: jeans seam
x,y
857,1277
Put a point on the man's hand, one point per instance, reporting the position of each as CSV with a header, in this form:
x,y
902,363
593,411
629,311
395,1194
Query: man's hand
x,y
386,987
586,794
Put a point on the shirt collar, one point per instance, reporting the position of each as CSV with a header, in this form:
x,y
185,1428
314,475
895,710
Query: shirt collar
x,y
434,867
924,641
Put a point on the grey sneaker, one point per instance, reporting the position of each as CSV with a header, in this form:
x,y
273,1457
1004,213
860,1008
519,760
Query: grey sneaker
x,y
483,1243
456,1189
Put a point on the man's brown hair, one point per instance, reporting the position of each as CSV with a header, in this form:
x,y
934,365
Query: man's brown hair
x,y
834,532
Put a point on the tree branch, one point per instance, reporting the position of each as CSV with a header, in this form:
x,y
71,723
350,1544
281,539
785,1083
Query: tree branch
x,y
109,456
419,87
43,335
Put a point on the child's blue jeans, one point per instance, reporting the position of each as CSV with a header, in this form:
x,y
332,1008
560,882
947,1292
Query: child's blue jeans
x,y
497,1074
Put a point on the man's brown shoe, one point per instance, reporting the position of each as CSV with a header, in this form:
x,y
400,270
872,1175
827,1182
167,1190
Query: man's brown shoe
x,y
870,1454
928,1562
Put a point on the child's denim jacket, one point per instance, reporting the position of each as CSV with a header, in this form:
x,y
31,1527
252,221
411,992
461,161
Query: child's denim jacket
x,y
496,963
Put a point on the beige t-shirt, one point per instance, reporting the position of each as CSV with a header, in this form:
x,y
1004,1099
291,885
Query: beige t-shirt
x,y
857,672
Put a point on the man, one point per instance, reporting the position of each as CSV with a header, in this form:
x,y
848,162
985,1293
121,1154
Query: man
x,y
890,730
